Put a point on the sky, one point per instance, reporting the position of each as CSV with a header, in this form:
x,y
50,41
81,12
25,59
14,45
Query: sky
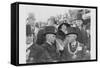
x,y
42,13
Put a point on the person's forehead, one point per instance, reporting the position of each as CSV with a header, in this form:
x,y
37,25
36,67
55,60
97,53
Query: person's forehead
x,y
52,34
72,35
63,25
79,21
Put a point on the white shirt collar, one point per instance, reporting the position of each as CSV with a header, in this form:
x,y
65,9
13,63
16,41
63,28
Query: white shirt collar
x,y
49,42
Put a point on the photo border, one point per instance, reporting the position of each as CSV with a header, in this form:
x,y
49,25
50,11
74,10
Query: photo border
x,y
57,5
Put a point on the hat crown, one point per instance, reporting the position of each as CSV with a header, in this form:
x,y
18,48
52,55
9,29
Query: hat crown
x,y
50,30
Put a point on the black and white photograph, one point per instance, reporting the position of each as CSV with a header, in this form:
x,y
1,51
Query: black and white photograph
x,y
50,34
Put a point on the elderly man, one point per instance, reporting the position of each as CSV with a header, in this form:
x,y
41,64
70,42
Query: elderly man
x,y
50,45
47,51
74,50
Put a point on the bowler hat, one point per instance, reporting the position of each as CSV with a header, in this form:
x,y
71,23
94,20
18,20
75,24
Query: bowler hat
x,y
50,30
72,33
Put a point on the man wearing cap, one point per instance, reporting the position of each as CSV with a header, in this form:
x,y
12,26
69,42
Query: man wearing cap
x,y
50,45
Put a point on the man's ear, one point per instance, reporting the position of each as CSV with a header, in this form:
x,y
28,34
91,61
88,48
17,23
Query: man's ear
x,y
47,36
76,37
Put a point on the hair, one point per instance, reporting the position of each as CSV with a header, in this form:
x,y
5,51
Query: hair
x,y
37,25
53,19
66,24
40,37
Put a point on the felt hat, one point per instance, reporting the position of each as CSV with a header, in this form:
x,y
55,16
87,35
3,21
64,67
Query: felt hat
x,y
50,30
72,31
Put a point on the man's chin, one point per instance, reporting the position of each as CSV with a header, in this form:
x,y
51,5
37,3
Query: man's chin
x,y
53,42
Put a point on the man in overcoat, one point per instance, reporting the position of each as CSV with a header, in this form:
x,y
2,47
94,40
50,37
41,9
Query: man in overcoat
x,y
50,44
47,52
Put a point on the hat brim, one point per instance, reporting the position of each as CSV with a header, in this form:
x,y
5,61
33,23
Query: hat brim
x,y
72,33
50,33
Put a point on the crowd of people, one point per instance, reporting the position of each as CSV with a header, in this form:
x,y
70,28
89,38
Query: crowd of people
x,y
62,38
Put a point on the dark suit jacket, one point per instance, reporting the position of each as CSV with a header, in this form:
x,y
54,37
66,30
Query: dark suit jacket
x,y
28,30
52,52
37,54
82,35
81,54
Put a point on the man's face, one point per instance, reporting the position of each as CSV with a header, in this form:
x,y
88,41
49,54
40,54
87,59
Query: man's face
x,y
71,38
32,27
74,24
79,22
31,21
50,22
51,37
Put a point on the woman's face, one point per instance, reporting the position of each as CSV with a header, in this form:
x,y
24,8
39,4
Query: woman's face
x,y
79,22
64,27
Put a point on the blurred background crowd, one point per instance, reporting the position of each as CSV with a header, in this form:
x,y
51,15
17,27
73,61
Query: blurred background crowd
x,y
79,21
